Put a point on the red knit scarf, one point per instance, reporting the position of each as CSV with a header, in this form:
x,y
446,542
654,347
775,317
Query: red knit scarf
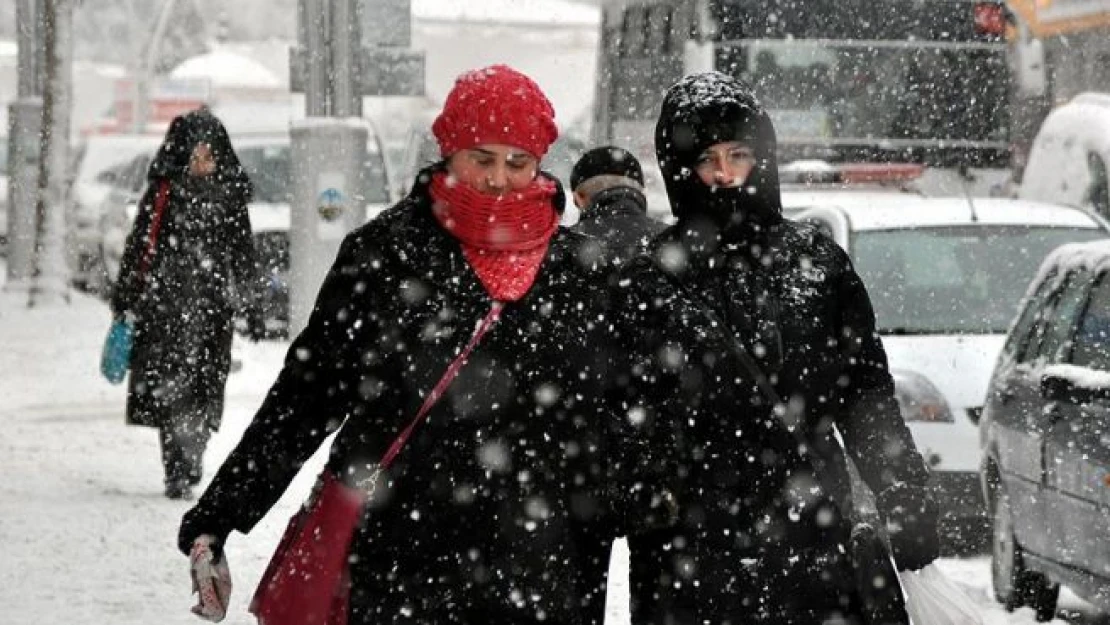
x,y
504,238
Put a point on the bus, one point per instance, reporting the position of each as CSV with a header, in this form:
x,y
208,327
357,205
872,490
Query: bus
x,y
907,81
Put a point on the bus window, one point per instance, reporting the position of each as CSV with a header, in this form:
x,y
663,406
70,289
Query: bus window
x,y
634,33
844,80
659,22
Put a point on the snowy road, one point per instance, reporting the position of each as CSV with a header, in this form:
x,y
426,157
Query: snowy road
x,y
85,533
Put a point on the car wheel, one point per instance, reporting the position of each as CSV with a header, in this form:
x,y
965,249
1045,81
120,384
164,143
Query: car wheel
x,y
1014,586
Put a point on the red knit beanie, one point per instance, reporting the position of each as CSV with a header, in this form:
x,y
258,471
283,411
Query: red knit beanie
x,y
496,104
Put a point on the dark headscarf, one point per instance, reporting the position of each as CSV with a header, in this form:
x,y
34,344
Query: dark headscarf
x,y
185,132
698,112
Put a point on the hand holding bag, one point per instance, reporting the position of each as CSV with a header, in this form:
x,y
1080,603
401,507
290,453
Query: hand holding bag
x,y
307,582
933,599
115,357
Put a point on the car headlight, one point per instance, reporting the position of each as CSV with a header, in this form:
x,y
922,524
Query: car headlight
x,y
919,399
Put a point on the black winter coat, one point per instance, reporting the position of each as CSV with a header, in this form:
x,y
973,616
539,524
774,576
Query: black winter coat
x,y
503,504
618,218
792,300
201,272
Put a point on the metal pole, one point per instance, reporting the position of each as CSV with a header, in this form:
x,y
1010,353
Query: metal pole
x,y
51,279
141,109
314,28
344,44
24,121
328,150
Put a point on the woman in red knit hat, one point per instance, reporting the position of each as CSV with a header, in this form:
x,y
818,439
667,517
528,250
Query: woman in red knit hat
x,y
494,495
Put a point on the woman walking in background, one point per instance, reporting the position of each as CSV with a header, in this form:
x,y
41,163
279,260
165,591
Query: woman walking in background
x,y
188,267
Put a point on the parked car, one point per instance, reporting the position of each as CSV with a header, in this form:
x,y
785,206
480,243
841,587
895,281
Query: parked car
x,y
100,161
1046,438
267,160
1069,161
945,276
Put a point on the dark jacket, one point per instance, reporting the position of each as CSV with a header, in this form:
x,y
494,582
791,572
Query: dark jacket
x,y
502,505
791,298
618,218
201,271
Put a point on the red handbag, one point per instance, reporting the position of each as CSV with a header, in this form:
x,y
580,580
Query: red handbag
x,y
307,581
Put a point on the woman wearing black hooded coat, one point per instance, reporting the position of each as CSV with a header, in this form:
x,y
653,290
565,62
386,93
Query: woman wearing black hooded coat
x,y
184,291
765,534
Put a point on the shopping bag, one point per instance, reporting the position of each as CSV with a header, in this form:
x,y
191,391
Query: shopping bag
x,y
933,599
306,582
115,357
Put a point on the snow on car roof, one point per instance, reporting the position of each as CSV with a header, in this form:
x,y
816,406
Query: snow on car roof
x,y
878,210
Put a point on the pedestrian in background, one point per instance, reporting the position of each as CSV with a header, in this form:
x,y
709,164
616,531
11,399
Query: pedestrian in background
x,y
608,188
767,532
188,268
500,506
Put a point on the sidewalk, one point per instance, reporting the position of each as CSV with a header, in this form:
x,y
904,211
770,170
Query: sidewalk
x,y
85,532
87,535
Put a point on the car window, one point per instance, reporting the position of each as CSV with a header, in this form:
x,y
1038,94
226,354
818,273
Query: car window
x,y
377,182
1092,337
136,175
1034,311
1055,346
270,171
953,279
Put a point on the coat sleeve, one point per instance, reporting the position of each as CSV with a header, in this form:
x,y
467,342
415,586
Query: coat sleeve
x,y
876,436
244,260
125,290
646,404
314,393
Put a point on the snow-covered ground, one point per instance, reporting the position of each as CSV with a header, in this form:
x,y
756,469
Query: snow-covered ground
x,y
85,533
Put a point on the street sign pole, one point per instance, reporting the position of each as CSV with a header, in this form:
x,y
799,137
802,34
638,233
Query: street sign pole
x,y
334,68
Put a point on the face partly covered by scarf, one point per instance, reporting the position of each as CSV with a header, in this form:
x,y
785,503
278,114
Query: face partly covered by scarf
x,y
494,128
706,110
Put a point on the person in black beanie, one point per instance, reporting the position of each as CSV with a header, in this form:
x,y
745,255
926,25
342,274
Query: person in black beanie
x,y
608,187
797,312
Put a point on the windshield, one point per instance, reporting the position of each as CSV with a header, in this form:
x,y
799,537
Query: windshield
x,y
953,280
270,170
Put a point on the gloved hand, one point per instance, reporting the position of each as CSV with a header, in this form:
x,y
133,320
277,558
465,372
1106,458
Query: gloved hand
x,y
911,522
211,578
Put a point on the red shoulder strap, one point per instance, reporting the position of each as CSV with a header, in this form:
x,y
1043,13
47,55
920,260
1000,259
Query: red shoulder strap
x,y
160,201
441,386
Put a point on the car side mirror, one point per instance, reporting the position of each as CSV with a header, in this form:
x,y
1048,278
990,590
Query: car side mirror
x,y
1056,387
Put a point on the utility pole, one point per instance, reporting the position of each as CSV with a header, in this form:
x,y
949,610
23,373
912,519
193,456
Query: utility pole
x,y
144,67
340,57
24,125
50,284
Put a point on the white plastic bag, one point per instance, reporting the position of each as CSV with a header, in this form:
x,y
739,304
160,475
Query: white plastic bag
x,y
933,599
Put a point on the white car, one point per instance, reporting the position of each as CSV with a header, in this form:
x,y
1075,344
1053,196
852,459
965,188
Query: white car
x,y
945,276
101,160
1069,161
